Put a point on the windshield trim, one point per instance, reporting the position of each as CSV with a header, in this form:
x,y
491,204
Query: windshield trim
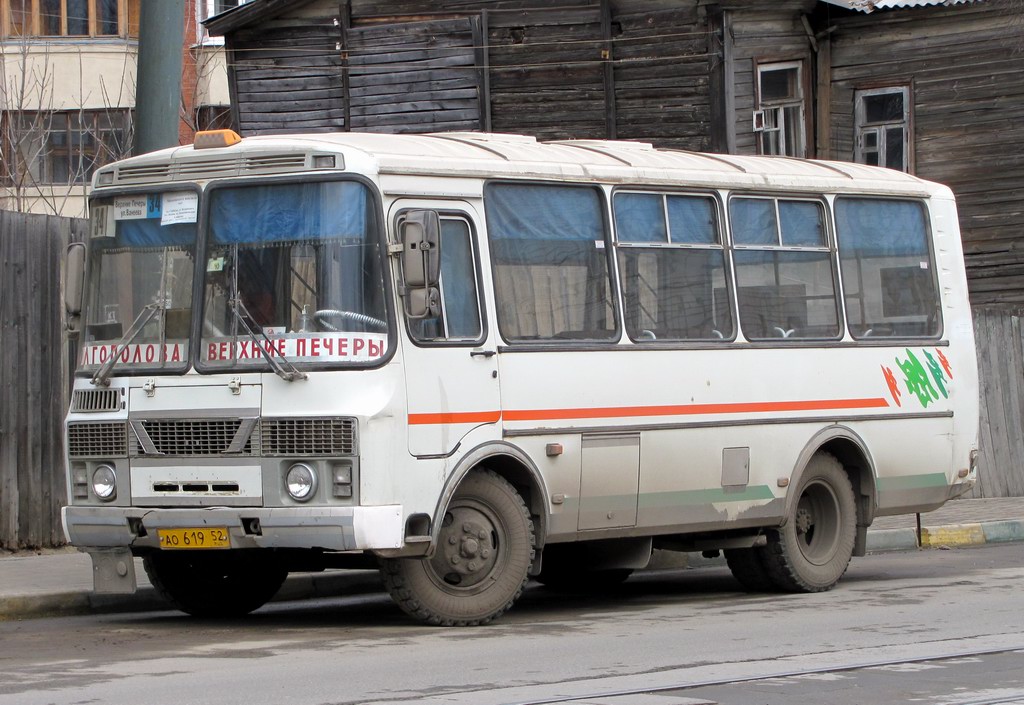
x,y
377,222
122,369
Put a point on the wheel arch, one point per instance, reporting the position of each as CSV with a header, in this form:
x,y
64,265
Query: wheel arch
x,y
515,466
850,449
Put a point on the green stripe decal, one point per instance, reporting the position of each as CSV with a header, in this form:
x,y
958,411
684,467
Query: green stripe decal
x,y
912,482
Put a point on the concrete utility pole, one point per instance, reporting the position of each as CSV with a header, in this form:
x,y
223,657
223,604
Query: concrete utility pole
x,y
158,92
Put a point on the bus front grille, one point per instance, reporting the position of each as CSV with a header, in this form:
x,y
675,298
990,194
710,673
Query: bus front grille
x,y
308,436
98,440
194,437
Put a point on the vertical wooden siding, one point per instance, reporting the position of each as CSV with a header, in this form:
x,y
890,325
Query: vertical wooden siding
x,y
999,335
34,378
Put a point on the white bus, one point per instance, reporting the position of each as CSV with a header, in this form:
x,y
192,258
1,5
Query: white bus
x,y
471,359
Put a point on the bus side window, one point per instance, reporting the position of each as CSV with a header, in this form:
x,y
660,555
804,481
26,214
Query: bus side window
x,y
460,318
785,280
672,266
888,268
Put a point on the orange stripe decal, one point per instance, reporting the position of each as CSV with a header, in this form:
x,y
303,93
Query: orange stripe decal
x,y
455,417
612,412
694,409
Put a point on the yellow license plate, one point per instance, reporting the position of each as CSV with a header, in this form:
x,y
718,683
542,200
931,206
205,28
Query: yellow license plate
x,y
208,537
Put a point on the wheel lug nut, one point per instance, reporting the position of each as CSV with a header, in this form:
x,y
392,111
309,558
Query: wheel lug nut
x,y
482,535
485,553
467,527
472,565
452,540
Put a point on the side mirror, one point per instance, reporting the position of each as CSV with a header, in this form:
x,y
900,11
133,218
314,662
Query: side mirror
x,y
74,279
420,236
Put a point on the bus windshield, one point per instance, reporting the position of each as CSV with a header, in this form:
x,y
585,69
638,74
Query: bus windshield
x,y
293,272
139,289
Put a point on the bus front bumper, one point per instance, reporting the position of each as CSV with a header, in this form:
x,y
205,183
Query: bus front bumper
x,y
111,535
327,528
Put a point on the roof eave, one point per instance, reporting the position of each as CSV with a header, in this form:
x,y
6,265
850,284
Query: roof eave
x,y
247,14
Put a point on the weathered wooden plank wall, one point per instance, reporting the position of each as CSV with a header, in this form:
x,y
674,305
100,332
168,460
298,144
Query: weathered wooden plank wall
x,y
287,76
965,68
999,334
662,66
34,378
759,35
414,76
590,69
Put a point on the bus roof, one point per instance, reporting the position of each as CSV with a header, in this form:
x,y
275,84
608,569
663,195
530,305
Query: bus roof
x,y
487,155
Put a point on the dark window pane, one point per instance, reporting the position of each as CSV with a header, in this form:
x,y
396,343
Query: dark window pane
x,y
78,17
894,148
21,17
50,11
107,19
883,107
780,84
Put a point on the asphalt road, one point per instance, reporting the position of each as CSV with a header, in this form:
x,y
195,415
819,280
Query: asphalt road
x,y
928,627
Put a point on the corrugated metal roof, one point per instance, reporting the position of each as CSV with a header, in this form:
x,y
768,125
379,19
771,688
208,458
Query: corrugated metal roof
x,y
872,5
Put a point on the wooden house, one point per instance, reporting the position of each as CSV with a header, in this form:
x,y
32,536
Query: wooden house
x,y
933,87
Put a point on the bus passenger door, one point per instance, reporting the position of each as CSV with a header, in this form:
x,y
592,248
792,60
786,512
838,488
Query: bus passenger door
x,y
450,365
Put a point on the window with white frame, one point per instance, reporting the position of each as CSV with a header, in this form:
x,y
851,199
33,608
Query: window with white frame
x,y
883,127
779,119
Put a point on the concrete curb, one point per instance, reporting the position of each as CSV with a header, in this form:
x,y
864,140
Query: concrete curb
x,y
299,586
307,586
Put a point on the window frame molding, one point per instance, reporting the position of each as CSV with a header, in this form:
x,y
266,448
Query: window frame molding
x,y
859,121
125,26
801,64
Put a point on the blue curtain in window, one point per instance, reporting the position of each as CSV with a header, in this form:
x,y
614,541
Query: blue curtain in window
x,y
753,221
289,212
692,220
640,217
878,227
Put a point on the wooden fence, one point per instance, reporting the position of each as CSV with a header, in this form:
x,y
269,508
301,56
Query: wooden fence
x,y
34,377
998,335
36,367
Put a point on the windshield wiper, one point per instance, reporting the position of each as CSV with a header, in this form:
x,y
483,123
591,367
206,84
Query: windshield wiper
x,y
281,365
102,376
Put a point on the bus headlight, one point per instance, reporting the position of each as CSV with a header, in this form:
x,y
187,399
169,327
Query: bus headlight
x,y
300,482
104,483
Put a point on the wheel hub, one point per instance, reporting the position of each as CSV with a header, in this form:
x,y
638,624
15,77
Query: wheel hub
x,y
467,552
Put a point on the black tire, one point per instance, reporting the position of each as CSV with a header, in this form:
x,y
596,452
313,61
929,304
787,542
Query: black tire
x,y
747,566
811,552
480,566
214,584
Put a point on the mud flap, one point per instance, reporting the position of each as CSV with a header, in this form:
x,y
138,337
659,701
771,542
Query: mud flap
x,y
113,571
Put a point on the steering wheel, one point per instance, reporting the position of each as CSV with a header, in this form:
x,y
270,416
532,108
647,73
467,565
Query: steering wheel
x,y
325,315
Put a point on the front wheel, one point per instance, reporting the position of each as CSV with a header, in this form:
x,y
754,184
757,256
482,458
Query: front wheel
x,y
215,583
812,551
480,566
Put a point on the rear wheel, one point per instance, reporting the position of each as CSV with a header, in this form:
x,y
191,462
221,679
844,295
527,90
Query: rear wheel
x,y
812,551
215,583
747,566
479,569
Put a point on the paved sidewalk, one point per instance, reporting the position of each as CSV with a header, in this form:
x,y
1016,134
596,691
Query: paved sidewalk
x,y
59,582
